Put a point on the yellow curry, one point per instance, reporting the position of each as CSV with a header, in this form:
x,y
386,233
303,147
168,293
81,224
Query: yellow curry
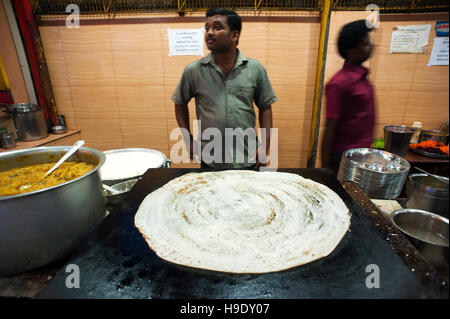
x,y
29,178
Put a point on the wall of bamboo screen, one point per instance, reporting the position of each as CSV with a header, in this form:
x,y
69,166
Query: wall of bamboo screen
x,y
114,81
406,89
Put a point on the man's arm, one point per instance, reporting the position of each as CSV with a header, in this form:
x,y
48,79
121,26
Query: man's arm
x,y
327,140
334,92
265,122
182,117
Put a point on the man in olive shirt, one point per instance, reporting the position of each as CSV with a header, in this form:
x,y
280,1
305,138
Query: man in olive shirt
x,y
225,83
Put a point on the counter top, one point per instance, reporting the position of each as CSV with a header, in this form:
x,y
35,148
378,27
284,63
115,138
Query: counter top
x,y
116,261
417,158
42,142
127,254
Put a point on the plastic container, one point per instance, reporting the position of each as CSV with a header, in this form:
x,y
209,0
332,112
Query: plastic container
x,y
417,126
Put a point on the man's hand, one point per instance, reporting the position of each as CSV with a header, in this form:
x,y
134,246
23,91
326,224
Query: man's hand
x,y
262,156
182,116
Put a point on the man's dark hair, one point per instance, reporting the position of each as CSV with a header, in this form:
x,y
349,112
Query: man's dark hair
x,y
233,19
351,35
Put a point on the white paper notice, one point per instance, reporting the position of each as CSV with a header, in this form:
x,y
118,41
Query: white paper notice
x,y
185,41
439,54
410,38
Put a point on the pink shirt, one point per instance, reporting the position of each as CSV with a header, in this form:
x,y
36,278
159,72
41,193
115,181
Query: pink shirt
x,y
350,98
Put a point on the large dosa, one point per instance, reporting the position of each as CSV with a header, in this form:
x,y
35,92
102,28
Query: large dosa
x,y
242,221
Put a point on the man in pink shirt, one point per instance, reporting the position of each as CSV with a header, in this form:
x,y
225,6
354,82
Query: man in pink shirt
x,y
350,117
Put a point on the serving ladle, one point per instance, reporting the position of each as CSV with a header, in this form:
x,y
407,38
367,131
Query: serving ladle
x,y
72,150
111,190
432,175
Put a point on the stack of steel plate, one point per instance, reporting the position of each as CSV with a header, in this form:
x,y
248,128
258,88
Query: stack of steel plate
x,y
381,175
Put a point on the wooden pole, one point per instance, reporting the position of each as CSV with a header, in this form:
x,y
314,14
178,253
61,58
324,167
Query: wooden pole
x,y
320,71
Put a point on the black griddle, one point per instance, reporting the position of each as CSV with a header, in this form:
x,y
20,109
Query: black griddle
x,y
117,263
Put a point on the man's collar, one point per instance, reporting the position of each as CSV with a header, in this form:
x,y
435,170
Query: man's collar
x,y
241,59
360,70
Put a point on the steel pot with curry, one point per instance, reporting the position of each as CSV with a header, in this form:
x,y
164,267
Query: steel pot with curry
x,y
43,220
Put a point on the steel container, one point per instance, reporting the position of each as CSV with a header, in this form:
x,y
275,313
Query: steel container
x,y
397,138
427,193
381,175
29,120
123,189
46,225
434,135
7,140
428,232
59,129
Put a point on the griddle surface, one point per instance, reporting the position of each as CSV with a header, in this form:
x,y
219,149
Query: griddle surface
x,y
117,263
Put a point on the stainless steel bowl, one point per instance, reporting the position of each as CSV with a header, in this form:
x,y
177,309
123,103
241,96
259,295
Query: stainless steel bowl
x,y
123,188
434,135
427,231
46,225
59,129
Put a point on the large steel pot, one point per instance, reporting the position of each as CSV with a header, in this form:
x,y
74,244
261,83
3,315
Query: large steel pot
x,y
427,193
29,120
43,226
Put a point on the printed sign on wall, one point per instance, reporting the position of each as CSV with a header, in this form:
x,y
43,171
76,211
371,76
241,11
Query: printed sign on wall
x,y
185,41
439,54
410,38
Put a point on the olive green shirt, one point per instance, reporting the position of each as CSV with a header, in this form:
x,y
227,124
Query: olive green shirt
x,y
225,102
